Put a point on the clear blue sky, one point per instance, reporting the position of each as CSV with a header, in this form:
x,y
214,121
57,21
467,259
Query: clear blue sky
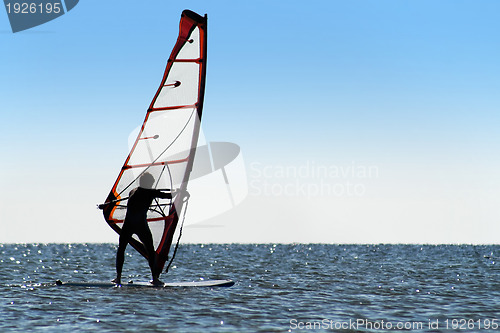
x,y
407,87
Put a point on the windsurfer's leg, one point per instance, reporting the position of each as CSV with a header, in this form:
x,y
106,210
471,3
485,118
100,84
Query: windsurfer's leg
x,y
147,239
120,256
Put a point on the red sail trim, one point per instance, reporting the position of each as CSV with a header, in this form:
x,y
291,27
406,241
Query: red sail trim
x,y
109,210
166,108
199,60
155,219
145,165
152,219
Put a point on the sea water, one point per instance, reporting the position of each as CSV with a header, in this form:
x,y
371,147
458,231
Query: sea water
x,y
279,288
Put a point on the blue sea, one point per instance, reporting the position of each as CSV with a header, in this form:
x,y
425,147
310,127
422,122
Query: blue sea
x,y
279,288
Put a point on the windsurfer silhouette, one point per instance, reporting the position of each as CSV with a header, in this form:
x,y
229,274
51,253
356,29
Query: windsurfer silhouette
x,y
135,223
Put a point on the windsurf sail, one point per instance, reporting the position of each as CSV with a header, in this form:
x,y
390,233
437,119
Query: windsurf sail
x,y
167,140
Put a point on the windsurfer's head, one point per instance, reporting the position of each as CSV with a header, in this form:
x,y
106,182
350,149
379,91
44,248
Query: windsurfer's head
x,y
147,180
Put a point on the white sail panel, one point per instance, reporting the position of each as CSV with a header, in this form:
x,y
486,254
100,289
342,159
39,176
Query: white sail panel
x,y
191,50
155,144
181,87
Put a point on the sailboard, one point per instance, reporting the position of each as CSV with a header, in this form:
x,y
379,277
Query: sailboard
x,y
99,284
166,144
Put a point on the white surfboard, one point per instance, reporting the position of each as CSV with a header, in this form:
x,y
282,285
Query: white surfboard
x,y
101,284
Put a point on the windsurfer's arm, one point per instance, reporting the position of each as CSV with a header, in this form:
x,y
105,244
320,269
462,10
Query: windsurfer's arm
x,y
183,193
102,206
165,195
